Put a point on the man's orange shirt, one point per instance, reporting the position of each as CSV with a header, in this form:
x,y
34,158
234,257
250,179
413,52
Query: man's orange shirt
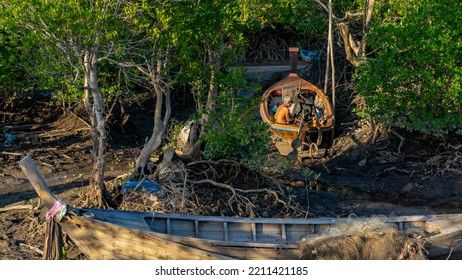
x,y
282,115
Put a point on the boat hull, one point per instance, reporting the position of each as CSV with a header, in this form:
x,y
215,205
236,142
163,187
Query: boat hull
x,y
120,235
102,241
123,235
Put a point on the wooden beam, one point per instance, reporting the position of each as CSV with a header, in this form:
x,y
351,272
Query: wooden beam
x,y
38,182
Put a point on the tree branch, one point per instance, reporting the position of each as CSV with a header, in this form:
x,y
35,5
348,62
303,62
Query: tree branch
x,y
348,14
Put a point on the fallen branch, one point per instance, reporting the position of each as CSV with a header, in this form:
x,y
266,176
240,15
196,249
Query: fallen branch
x,y
48,165
394,168
37,249
11,154
17,207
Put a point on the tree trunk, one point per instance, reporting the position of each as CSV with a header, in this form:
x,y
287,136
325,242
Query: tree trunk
x,y
356,50
94,105
350,46
160,88
192,147
214,64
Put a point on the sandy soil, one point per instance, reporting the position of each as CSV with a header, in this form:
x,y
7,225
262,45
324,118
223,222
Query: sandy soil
x,y
380,177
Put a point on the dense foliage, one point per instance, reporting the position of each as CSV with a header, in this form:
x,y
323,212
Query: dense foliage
x,y
415,80
233,131
412,79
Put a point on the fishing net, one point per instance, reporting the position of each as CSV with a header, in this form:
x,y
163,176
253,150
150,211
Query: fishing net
x,y
360,239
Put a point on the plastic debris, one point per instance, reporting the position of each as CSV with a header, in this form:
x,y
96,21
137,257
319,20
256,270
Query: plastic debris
x,y
10,138
312,55
143,186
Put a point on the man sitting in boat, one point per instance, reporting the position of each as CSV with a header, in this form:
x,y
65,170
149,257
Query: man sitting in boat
x,y
282,115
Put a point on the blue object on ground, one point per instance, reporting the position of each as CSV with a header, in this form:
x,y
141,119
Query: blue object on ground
x,y
143,186
9,138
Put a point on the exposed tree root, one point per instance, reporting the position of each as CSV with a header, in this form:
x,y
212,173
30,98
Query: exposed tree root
x,y
220,187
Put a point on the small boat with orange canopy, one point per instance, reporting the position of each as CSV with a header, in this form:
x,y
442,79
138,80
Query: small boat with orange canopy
x,y
311,111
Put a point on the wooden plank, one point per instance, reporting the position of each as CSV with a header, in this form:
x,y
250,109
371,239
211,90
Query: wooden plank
x,y
211,230
239,232
283,148
11,154
38,182
17,207
156,225
196,228
256,253
167,221
268,233
225,231
182,228
283,232
296,232
254,232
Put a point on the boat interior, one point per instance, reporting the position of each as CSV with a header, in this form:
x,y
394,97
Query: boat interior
x,y
306,105
234,229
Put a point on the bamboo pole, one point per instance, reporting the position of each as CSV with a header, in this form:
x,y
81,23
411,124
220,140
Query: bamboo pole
x,y
330,65
331,45
326,76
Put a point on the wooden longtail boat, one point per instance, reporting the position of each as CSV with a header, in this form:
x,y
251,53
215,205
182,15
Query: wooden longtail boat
x,y
111,234
318,117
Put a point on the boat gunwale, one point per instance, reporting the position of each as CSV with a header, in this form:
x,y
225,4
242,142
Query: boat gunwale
x,y
286,221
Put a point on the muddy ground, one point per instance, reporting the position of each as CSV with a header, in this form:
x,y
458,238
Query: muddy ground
x,y
368,172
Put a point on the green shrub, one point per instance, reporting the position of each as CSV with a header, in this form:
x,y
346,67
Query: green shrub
x,y
234,132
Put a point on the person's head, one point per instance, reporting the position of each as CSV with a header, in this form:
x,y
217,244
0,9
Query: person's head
x,y
287,100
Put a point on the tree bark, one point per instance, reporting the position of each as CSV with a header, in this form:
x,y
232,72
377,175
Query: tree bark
x,y
94,105
214,63
160,88
350,46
